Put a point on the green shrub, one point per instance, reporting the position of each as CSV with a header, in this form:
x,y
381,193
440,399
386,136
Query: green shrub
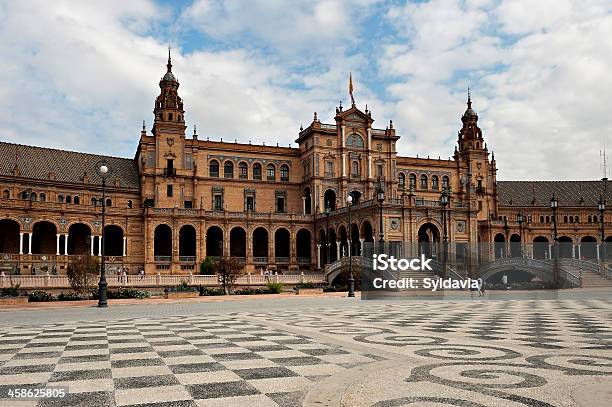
x,y
12,291
211,291
306,285
182,287
275,288
207,267
129,292
69,297
40,296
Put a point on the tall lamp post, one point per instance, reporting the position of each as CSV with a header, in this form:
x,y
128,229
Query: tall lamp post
x,y
351,278
554,205
103,171
601,205
380,196
443,204
520,218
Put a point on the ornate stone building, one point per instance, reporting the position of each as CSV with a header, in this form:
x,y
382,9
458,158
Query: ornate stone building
x,y
181,199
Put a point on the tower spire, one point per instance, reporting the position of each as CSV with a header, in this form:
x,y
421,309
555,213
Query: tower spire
x,y
469,101
169,65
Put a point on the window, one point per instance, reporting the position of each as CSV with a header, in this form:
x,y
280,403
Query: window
x,y
250,203
189,161
445,182
412,181
109,202
218,202
169,190
169,170
355,168
243,170
188,204
541,219
280,204
42,197
423,181
170,116
479,185
129,203
595,219
228,169
271,172
94,201
33,196
68,199
402,181
379,170
213,169
548,219
60,198
589,219
435,183
6,194
354,140
329,168
149,203
256,171
479,205
284,172
76,200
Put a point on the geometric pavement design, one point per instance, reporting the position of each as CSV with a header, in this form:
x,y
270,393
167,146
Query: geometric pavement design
x,y
479,353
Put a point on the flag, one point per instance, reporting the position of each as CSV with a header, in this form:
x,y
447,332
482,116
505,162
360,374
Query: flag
x,y
351,88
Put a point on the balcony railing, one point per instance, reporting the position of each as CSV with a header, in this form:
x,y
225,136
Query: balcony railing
x,y
282,260
260,260
162,258
169,172
303,260
187,259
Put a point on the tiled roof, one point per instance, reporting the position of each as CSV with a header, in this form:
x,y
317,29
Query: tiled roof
x,y
67,166
538,193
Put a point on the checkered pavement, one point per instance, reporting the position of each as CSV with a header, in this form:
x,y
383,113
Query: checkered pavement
x,y
178,361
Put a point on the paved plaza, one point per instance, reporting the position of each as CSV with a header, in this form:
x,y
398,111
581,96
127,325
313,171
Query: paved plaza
x,y
314,352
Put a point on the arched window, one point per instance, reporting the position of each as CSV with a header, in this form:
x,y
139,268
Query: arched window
x,y
68,199
565,219
243,170
589,219
595,219
354,140
76,200
541,219
412,181
6,194
435,183
228,169
284,172
129,203
213,169
402,181
109,202
42,197
445,182
271,172
423,181
33,196
60,198
256,171
355,168
548,219
94,201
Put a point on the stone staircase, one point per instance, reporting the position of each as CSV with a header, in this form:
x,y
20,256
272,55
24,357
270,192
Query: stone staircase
x,y
591,273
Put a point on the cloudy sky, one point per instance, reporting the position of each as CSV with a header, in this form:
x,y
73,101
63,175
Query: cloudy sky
x,y
83,75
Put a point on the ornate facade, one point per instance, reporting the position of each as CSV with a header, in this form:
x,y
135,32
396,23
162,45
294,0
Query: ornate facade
x,y
181,198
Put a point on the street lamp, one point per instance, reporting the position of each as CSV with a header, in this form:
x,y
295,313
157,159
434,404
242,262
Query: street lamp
x,y
351,279
520,218
380,196
554,205
601,205
327,243
443,204
103,171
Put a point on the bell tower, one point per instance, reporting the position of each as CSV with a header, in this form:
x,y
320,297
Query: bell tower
x,y
470,135
169,113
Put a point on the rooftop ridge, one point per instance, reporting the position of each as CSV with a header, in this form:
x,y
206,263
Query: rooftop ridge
x,y
68,151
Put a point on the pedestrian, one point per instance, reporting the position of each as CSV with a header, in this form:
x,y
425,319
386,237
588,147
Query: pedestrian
x,y
481,287
33,270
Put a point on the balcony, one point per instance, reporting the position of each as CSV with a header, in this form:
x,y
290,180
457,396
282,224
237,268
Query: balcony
x,y
162,259
260,260
169,172
303,260
282,260
187,259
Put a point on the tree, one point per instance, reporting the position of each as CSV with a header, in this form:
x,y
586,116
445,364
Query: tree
x,y
82,273
229,269
207,267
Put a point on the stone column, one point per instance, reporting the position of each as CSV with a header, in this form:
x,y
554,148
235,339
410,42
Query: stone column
x,y
99,245
304,205
361,240
29,243
20,242
65,243
318,256
124,246
91,243
57,244
338,242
